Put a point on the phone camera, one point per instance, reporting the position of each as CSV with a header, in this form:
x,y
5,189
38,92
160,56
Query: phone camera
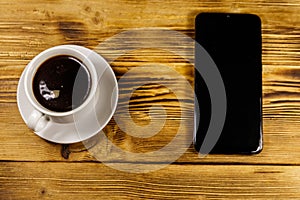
x,y
228,16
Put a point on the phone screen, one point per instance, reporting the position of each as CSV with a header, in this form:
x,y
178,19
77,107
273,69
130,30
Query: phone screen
x,y
234,43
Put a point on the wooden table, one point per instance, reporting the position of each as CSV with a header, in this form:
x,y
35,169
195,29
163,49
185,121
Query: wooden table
x,y
32,168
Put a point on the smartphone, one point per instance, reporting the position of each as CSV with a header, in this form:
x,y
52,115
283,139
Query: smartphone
x,y
233,41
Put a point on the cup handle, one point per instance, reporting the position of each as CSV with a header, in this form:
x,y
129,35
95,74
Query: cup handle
x,y
37,121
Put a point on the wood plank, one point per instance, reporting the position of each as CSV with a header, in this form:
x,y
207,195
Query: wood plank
x,y
28,28
19,143
27,180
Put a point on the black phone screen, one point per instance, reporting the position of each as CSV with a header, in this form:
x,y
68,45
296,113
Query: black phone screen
x,y
234,43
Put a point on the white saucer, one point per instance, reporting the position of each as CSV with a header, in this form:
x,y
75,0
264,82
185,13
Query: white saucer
x,y
66,133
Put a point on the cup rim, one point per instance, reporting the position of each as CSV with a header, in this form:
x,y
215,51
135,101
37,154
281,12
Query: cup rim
x,y
47,54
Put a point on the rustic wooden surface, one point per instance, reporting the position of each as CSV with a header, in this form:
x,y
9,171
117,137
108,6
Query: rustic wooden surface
x,y
32,168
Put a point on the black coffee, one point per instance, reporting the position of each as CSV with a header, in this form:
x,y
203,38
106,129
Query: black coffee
x,y
61,83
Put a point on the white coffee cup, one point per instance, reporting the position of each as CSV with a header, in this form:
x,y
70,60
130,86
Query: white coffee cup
x,y
88,118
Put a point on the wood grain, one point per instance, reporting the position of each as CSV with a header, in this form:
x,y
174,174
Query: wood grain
x,y
32,168
96,181
19,143
47,25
